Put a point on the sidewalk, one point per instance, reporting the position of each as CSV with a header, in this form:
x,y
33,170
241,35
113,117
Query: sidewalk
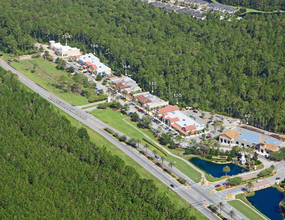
x,y
166,150
90,104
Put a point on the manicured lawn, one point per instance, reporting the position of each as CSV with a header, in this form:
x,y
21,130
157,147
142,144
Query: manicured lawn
x,y
252,215
98,139
185,168
6,56
46,74
242,196
114,119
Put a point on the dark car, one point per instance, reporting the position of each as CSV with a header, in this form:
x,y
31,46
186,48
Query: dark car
x,y
157,157
277,178
209,122
209,136
217,185
172,185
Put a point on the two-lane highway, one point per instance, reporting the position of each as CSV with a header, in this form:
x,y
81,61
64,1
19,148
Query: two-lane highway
x,y
198,195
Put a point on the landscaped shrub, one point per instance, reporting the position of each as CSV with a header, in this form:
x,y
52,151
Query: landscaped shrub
x,y
154,145
116,135
109,130
172,145
167,171
142,152
102,106
282,184
209,156
123,138
132,142
257,162
181,180
32,71
150,158
229,158
95,98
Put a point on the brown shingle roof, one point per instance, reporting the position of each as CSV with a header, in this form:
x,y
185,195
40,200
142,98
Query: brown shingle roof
x,y
173,119
168,108
230,134
142,99
190,127
122,85
271,147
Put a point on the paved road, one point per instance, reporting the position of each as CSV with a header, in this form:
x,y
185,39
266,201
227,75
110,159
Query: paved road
x,y
197,195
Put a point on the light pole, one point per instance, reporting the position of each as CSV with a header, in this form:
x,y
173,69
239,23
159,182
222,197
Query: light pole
x,y
247,116
94,46
66,36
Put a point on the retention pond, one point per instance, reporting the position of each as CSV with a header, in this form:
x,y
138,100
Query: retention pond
x,y
216,169
267,201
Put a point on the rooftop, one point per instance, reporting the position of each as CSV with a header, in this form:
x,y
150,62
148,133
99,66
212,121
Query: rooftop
x,y
230,134
91,59
152,99
126,83
184,120
168,108
256,137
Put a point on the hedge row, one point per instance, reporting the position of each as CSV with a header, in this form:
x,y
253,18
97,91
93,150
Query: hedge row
x,y
154,145
109,130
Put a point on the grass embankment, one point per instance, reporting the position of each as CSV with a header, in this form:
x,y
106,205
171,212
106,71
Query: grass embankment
x,y
242,197
115,120
248,212
45,75
98,139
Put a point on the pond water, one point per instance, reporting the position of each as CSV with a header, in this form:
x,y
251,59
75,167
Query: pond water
x,y
267,201
215,169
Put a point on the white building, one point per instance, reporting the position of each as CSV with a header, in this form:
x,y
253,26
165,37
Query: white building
x,y
125,83
63,51
149,100
242,137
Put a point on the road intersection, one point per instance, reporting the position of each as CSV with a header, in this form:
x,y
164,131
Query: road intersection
x,y
197,196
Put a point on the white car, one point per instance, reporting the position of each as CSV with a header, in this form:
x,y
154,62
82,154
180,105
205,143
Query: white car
x,y
258,181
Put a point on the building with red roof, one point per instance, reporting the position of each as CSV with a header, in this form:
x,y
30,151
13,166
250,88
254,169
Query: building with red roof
x,y
171,115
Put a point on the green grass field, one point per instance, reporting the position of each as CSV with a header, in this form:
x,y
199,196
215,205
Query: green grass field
x,y
46,74
252,215
115,120
241,197
98,139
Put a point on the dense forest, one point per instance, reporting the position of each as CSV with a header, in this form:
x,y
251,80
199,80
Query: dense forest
x,y
234,68
50,169
261,5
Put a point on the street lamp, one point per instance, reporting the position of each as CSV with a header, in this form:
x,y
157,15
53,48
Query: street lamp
x,y
94,46
66,36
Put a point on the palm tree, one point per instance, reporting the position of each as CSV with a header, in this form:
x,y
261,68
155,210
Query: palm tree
x,y
232,214
226,169
159,130
203,136
222,128
249,186
113,94
171,164
117,98
125,93
139,141
178,138
220,206
154,152
162,159
146,147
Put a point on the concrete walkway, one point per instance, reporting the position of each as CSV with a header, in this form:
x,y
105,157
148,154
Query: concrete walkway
x,y
90,104
166,150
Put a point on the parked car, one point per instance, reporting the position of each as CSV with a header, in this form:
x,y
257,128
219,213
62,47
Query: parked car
x,y
209,122
209,136
217,185
157,157
172,185
277,178
258,181
177,145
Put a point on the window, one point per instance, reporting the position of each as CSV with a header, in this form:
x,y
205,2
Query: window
x,y
237,142
261,151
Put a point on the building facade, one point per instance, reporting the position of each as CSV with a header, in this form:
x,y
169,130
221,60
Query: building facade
x,y
63,51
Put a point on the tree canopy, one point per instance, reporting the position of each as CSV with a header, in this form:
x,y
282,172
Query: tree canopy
x,y
51,170
234,68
